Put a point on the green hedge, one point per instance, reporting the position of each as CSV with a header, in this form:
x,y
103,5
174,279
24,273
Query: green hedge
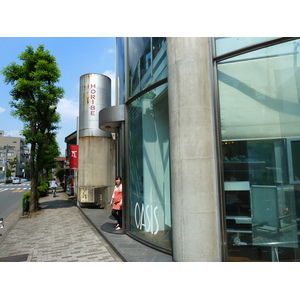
x,y
25,201
43,189
42,192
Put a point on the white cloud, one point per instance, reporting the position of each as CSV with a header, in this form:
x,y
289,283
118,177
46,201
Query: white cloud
x,y
2,110
68,109
110,51
14,133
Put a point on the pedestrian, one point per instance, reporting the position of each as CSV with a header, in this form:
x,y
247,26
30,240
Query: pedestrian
x,y
116,202
53,186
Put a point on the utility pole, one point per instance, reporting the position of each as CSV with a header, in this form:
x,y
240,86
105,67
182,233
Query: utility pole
x,y
5,165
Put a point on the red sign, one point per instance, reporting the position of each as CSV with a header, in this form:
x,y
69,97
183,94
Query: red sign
x,y
73,157
93,92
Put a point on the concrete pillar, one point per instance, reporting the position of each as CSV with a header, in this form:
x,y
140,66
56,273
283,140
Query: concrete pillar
x,y
195,212
96,170
96,161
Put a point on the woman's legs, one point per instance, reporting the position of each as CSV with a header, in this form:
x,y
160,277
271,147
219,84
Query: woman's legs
x,y
117,214
120,217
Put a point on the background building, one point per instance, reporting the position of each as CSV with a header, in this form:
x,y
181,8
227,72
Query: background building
x,y
13,149
71,175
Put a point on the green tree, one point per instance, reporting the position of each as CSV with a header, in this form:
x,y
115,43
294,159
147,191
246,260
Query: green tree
x,y
48,160
35,98
60,174
8,173
13,163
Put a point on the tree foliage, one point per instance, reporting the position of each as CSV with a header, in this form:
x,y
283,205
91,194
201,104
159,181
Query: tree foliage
x,y
48,160
34,101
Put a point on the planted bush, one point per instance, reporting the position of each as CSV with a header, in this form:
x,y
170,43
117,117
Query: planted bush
x,y
42,192
25,202
43,189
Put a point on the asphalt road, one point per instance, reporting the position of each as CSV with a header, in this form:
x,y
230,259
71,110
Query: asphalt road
x,y
11,197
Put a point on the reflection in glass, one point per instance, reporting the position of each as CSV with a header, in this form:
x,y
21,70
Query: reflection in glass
x,y
296,159
120,71
260,116
147,62
150,205
260,202
229,44
293,146
273,216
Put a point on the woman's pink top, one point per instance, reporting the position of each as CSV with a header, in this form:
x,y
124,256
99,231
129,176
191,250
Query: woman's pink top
x,y
117,196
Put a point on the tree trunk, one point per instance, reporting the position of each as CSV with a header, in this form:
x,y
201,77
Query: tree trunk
x,y
33,204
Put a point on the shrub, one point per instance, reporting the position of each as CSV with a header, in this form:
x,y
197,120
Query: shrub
x,y
25,201
42,192
43,189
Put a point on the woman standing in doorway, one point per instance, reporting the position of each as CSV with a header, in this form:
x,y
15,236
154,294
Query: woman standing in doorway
x,y
116,202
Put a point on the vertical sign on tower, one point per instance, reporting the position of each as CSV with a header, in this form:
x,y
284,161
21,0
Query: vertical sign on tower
x,y
93,92
73,157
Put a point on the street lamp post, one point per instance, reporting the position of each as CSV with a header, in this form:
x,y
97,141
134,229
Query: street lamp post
x,y
5,165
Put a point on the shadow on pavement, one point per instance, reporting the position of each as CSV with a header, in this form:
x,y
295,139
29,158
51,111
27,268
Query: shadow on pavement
x,y
54,204
110,228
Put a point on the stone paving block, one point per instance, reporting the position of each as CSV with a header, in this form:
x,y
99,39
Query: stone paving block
x,y
57,233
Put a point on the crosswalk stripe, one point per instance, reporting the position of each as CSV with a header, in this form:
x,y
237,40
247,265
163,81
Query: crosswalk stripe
x,y
14,189
17,185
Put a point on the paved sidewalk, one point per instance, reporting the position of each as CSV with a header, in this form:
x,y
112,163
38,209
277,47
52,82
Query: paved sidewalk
x,y
57,233
127,248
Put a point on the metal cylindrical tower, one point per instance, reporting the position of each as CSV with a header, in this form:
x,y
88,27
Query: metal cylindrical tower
x,y
95,94
95,163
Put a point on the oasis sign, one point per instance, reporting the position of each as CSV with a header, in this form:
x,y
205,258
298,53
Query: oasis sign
x,y
146,218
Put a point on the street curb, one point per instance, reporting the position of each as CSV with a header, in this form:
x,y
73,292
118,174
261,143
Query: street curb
x,y
12,225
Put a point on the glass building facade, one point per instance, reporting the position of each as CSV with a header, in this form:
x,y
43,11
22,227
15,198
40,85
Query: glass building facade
x,y
142,79
260,127
256,83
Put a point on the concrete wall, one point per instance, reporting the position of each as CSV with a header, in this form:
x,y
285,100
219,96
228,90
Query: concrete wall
x,y
195,212
96,165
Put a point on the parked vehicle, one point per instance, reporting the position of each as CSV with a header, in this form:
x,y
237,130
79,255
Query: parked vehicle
x,y
16,180
70,185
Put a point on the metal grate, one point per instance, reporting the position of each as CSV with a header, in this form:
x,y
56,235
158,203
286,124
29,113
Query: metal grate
x,y
15,258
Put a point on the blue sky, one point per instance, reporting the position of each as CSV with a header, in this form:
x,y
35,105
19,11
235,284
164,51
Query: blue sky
x,y
75,56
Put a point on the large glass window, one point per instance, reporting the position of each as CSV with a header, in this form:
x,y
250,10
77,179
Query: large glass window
x,y
229,44
260,123
147,62
149,182
120,84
